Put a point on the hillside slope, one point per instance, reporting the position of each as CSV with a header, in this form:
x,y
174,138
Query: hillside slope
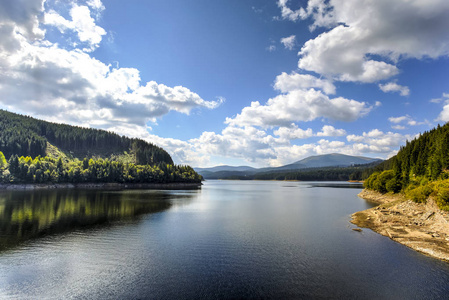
x,y
49,153
420,169
27,136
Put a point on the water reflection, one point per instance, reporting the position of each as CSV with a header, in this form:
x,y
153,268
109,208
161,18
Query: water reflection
x,y
26,215
339,184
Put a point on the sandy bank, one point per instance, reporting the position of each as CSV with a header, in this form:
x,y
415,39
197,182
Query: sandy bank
x,y
105,186
422,227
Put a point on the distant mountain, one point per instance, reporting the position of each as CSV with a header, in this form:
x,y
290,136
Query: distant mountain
x,y
226,168
334,160
318,161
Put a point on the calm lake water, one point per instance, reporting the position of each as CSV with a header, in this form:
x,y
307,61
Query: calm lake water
x,y
232,239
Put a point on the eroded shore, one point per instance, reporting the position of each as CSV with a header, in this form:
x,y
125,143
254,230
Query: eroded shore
x,y
105,186
422,227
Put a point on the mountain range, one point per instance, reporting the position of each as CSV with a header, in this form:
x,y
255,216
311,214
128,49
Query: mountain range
x,y
318,161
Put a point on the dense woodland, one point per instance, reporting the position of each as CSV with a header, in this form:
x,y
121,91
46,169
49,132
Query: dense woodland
x,y
26,136
82,155
420,169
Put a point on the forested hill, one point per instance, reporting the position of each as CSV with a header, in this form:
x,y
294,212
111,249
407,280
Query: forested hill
x,y
420,169
27,136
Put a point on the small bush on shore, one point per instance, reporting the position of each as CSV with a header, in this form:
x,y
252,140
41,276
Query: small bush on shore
x,y
420,193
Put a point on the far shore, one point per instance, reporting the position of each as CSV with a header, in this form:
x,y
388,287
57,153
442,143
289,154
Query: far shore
x,y
422,227
102,186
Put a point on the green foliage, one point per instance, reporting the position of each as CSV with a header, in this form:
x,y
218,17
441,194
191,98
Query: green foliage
x,y
442,198
3,162
310,174
26,136
393,185
420,169
48,170
419,194
26,141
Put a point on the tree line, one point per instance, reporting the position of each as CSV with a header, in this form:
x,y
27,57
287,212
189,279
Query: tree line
x,y
49,170
420,169
353,173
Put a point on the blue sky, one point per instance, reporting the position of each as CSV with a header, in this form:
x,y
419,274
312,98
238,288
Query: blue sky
x,y
239,82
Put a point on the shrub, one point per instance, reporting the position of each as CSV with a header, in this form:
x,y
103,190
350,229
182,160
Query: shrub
x,y
393,185
442,198
420,193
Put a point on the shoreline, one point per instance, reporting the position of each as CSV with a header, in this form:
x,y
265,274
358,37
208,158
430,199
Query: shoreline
x,y
102,186
421,227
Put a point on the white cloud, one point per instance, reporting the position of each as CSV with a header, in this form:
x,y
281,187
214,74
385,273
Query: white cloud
x,y
354,138
293,132
436,100
82,23
444,97
289,42
366,38
70,85
20,18
444,115
397,120
398,127
376,141
96,4
409,120
271,48
394,87
299,105
288,13
294,81
257,147
331,131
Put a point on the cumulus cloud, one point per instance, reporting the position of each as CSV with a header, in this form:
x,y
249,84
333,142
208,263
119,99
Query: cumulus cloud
x,y
289,42
444,97
394,87
405,119
377,141
289,14
249,143
20,17
299,105
294,81
363,44
57,84
256,146
96,5
398,119
444,115
331,131
293,132
82,23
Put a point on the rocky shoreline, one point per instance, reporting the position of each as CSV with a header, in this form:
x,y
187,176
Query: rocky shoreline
x,y
422,227
103,186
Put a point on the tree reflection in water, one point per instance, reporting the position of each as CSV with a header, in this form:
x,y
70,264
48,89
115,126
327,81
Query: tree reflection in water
x,y
26,215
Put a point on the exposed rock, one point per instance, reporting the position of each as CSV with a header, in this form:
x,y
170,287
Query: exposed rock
x,y
423,227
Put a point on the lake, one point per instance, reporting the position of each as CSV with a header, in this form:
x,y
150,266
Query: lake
x,y
231,239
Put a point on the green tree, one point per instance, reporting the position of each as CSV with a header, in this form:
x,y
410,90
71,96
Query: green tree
x,y
3,163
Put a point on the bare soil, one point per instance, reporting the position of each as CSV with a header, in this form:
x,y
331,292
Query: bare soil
x,y
422,227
